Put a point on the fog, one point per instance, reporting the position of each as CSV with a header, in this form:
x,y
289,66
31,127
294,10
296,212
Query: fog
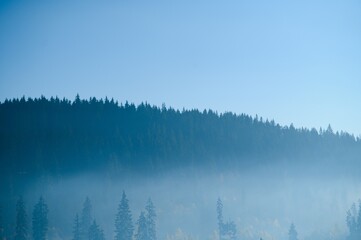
x,y
262,203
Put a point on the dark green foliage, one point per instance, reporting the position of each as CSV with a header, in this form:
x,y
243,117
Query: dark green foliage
x,y
21,229
95,232
76,229
53,136
86,219
227,231
150,220
142,232
40,220
123,220
292,233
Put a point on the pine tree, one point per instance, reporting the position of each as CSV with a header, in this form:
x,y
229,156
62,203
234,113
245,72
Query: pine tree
x,y
76,228
123,221
292,233
358,222
220,218
95,232
227,231
40,220
353,220
150,220
21,229
142,232
86,219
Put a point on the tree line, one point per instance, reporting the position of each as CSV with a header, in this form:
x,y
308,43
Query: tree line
x,y
85,226
40,136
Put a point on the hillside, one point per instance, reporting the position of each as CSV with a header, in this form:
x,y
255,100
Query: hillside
x,y
57,137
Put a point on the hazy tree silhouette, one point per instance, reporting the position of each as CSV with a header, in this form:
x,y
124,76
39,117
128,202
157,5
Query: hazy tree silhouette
x,y
76,228
220,218
150,220
123,221
95,232
353,221
292,233
86,219
40,220
21,228
227,231
142,232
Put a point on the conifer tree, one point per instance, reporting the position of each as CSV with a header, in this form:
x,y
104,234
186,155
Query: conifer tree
x,y
353,220
95,232
40,220
21,229
86,219
123,221
292,233
76,228
220,218
227,231
142,232
150,220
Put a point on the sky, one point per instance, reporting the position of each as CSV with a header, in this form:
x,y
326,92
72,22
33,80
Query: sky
x,y
292,61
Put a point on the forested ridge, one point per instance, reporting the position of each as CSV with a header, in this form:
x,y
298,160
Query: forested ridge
x,y
59,136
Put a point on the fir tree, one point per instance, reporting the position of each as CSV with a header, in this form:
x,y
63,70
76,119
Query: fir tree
x,y
220,218
95,232
292,233
353,220
76,228
40,220
21,229
150,220
86,219
227,231
142,232
123,221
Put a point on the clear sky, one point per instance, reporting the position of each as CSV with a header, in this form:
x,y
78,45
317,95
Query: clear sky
x,y
292,61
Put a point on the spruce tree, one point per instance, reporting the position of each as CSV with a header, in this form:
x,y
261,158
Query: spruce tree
x,y
76,228
150,220
220,218
358,222
123,221
142,232
227,231
21,229
292,233
40,220
95,232
86,219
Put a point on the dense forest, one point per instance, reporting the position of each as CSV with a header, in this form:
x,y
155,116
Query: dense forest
x,y
53,136
59,148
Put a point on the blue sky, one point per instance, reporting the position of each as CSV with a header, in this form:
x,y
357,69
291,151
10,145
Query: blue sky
x,y
292,61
